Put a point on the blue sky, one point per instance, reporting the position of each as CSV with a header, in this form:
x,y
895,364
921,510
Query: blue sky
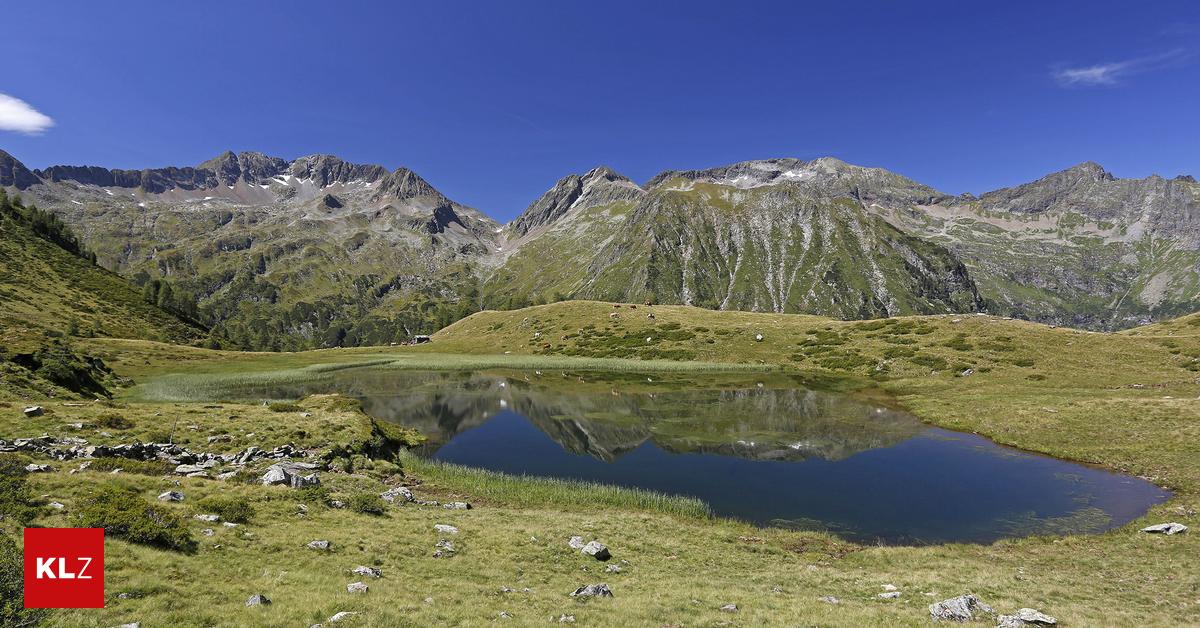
x,y
494,101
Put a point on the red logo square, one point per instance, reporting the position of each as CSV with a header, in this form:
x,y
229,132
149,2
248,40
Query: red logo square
x,y
64,567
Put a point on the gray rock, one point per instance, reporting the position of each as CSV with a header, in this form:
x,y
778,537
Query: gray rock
x,y
890,595
1024,618
370,572
136,624
593,590
342,616
357,587
961,608
56,505
171,496
829,599
38,468
337,503
278,474
575,543
229,524
220,438
456,506
207,532
34,411
188,469
612,569
566,619
1165,528
729,608
320,544
505,615
445,529
227,475
399,494
596,550
209,518
258,599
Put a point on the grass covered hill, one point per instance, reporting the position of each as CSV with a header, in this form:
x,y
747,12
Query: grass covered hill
x,y
49,286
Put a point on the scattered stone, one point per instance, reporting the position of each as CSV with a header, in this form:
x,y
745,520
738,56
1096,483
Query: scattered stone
x,y
220,438
288,474
171,496
445,549
1165,528
258,600
612,569
566,619
829,599
207,532
342,616
445,529
370,572
456,506
34,411
188,469
575,543
398,494
135,624
38,468
758,337
357,587
227,475
593,590
337,503
729,608
320,544
961,608
208,518
967,373
56,505
889,587
890,595
229,524
596,550
505,615
1024,618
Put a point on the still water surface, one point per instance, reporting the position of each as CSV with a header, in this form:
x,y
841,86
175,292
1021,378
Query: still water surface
x,y
772,450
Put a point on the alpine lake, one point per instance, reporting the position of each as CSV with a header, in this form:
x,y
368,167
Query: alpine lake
x,y
772,449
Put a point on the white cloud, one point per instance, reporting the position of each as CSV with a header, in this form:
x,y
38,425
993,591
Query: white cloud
x,y
1113,73
17,115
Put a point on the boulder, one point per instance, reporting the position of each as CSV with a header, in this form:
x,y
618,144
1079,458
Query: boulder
x,y
1165,528
370,572
189,469
288,474
171,496
34,411
1024,618
399,494
38,468
593,591
209,518
445,529
961,608
456,506
575,542
342,616
612,569
890,595
729,608
357,587
258,599
320,544
596,550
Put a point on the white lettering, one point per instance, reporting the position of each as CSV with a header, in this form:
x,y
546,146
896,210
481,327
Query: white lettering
x,y
43,568
87,561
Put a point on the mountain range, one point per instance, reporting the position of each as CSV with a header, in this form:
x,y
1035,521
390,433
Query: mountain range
x,y
318,251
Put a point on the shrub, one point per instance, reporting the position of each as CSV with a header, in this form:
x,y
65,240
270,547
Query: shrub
x,y
233,509
114,421
285,407
366,502
16,500
124,514
932,361
12,587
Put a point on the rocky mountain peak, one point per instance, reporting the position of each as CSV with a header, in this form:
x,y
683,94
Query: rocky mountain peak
x,y
403,183
14,173
324,170
251,167
599,186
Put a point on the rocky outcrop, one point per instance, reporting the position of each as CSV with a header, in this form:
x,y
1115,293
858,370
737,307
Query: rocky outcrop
x,y
324,170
